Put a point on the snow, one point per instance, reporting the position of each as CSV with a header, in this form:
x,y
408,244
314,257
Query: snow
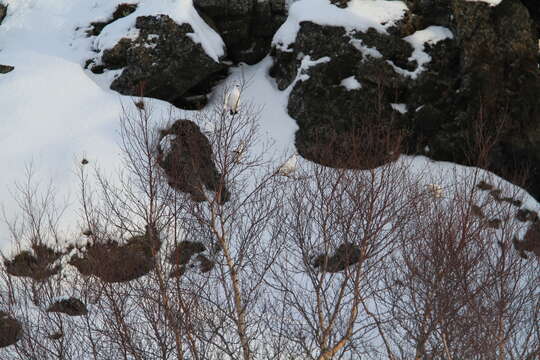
x,y
366,50
431,35
489,2
351,83
54,112
400,108
359,15
180,11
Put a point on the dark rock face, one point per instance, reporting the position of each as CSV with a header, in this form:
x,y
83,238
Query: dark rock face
x,y
534,12
38,265
112,262
4,69
481,86
246,26
332,119
189,163
3,12
11,330
71,306
163,63
346,255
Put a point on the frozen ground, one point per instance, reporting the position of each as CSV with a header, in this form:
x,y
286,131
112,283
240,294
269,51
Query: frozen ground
x,y
54,112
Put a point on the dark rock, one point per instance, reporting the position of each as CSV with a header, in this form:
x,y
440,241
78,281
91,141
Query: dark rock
x,y
340,127
11,330
340,3
56,336
534,12
164,62
178,271
182,253
496,194
494,223
189,163
4,69
71,306
477,211
481,87
525,215
3,12
112,262
37,265
205,264
346,255
121,11
246,26
484,186
530,242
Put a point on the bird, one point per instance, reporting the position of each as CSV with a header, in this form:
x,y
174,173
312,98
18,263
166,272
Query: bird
x,y
232,100
289,166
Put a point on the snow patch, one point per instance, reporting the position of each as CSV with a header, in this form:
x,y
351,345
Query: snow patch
x,y
360,15
351,83
431,35
366,50
489,2
400,108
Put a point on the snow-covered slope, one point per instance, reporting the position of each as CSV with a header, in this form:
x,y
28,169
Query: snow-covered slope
x,y
54,111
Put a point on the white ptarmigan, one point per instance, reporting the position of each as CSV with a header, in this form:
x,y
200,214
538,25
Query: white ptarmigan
x,y
289,166
232,100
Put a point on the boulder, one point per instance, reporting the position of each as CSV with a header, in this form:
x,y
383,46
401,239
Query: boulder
x,y
188,162
163,62
38,264
11,330
480,86
246,26
113,262
70,306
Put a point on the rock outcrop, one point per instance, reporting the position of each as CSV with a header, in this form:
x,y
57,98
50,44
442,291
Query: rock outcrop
x,y
70,306
163,62
113,262
479,86
332,114
246,26
188,162
38,264
11,330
